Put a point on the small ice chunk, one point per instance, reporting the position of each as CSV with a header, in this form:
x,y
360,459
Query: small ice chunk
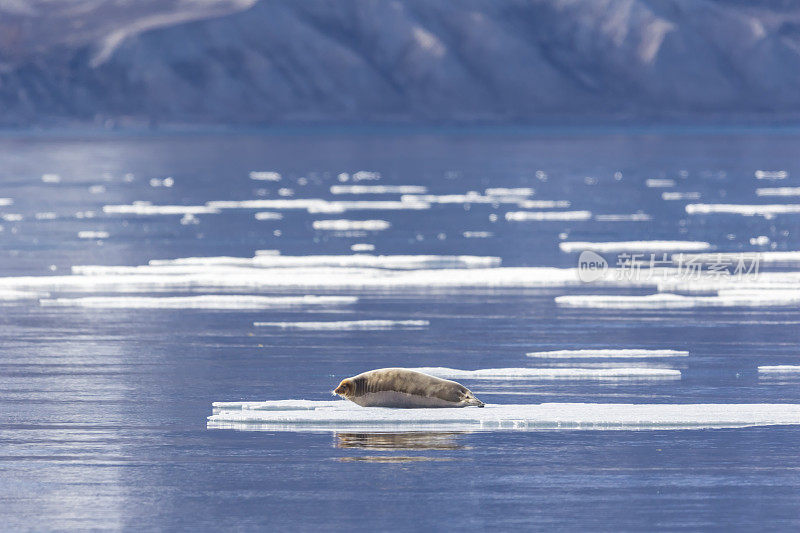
x,y
51,178
97,189
348,325
655,183
724,298
6,202
264,176
362,247
348,225
503,191
779,369
477,234
378,189
680,195
11,217
634,217
771,174
268,215
46,216
632,246
548,215
365,175
188,219
92,234
766,210
778,191
143,208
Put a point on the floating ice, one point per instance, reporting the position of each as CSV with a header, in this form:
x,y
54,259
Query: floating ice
x,y
746,210
93,235
654,183
317,261
503,191
46,216
724,298
778,191
378,189
147,209
477,234
347,225
680,195
366,175
318,205
635,217
548,215
551,373
264,176
347,325
11,217
6,201
733,257
779,369
304,415
207,301
11,294
165,182
543,204
362,247
268,215
771,174
51,178
632,246
607,354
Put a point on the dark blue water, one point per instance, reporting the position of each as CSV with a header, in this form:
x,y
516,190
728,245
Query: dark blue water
x,y
103,418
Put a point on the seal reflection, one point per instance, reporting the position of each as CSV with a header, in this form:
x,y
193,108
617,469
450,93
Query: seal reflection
x,y
415,440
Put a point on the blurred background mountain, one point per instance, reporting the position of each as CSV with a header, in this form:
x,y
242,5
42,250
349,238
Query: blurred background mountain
x,y
399,61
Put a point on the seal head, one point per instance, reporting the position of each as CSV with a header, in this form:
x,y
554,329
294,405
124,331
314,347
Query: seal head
x,y
403,388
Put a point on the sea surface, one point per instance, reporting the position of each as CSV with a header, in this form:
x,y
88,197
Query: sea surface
x,y
107,380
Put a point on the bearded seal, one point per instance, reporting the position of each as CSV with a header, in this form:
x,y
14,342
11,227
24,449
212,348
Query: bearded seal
x,y
403,388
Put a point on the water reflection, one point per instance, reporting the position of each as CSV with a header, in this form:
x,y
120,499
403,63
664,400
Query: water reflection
x,y
417,440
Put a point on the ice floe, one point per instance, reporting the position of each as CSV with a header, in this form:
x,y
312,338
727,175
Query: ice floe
x,y
149,209
304,415
771,174
318,205
362,247
720,257
206,301
92,234
547,215
11,294
259,175
378,189
724,298
778,191
779,369
348,225
632,246
51,178
552,373
268,215
607,354
634,217
680,195
766,210
656,183
543,204
347,325
6,202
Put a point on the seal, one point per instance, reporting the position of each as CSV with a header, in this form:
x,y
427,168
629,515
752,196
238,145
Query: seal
x,y
403,388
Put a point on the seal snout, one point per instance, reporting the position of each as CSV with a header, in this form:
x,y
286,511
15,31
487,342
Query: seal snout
x,y
345,388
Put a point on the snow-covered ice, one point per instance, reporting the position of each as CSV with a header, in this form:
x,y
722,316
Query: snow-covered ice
x,y
766,210
348,225
607,354
305,415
